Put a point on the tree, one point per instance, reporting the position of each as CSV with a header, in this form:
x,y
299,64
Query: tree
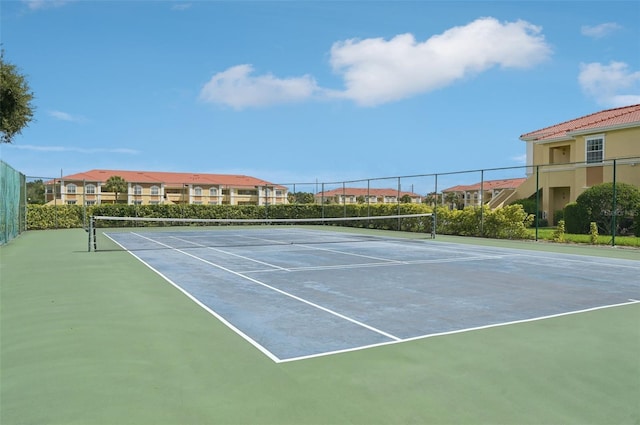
x,y
596,205
431,199
115,184
453,200
406,199
16,110
301,198
35,192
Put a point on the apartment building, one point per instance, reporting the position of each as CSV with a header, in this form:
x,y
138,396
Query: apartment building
x,y
352,195
491,192
567,158
155,187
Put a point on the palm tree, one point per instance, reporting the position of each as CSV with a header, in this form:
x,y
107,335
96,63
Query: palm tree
x,y
115,184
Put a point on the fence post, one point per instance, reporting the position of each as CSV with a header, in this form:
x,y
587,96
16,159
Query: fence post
x,y
481,202
614,208
537,199
322,200
435,208
398,202
90,233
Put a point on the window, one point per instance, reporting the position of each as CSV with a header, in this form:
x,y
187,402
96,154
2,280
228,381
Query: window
x,y
137,202
137,190
197,191
90,189
90,202
71,188
71,202
155,190
595,149
213,191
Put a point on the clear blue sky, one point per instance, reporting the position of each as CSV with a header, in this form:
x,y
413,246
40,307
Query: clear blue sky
x,y
298,91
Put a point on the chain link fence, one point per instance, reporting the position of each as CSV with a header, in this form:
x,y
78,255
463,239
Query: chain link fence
x,y
12,203
543,190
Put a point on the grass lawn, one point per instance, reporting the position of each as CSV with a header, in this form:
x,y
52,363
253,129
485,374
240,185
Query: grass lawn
x,y
546,234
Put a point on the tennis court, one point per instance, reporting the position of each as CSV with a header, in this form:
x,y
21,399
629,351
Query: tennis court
x,y
99,338
297,292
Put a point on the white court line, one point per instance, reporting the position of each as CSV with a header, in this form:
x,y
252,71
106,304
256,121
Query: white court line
x,y
280,291
384,264
303,245
477,328
246,337
231,253
346,254
395,340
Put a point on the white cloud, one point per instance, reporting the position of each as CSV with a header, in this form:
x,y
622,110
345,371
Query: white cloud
x,y
75,149
181,6
236,87
611,85
520,159
64,116
378,71
45,4
599,31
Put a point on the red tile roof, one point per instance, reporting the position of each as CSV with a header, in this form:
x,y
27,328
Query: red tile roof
x,y
357,191
610,118
488,185
169,178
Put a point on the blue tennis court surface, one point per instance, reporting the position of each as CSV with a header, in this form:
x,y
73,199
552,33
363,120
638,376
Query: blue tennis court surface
x,y
296,293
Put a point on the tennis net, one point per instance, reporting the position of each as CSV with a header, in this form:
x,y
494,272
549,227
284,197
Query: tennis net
x,y
138,233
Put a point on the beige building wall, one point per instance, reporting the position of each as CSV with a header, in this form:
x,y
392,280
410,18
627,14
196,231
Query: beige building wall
x,y
90,193
568,175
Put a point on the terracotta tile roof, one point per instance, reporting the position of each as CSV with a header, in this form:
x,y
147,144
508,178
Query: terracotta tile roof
x,y
610,118
168,178
357,191
488,185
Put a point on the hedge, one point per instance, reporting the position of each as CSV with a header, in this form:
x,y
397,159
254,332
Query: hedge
x,y
509,222
41,217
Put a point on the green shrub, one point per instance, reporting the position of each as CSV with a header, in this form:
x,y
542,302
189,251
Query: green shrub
x,y
593,233
575,218
529,205
509,222
557,216
597,203
41,217
558,234
465,222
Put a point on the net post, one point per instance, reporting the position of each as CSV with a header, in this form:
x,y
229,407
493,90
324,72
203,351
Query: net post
x,y
433,225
